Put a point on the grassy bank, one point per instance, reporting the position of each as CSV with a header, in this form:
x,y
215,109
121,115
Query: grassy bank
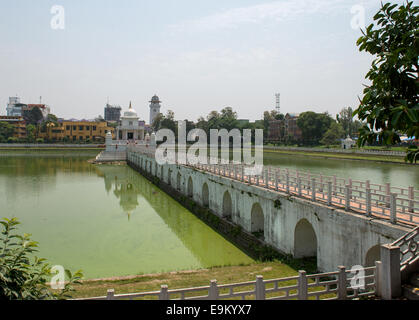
x,y
346,156
187,279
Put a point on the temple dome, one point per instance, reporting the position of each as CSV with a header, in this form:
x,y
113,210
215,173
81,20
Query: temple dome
x,y
131,113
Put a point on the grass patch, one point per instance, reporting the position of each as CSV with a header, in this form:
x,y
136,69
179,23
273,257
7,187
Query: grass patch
x,y
185,279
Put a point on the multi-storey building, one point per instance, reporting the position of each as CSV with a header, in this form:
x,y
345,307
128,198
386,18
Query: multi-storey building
x,y
14,107
18,123
17,109
112,113
73,131
285,130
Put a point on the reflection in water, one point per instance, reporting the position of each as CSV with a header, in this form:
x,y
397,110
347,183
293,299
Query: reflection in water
x,y
133,190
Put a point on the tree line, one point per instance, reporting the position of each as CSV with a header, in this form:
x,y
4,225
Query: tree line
x,y
317,128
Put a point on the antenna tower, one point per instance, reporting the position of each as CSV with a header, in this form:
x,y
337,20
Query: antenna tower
x,y
278,102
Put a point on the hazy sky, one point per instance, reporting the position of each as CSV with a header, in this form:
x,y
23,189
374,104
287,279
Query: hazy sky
x,y
197,56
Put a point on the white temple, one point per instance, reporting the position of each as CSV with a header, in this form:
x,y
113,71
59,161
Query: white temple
x,y
130,128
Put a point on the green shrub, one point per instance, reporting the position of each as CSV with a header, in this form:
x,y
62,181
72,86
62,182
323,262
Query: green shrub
x,y
12,140
22,275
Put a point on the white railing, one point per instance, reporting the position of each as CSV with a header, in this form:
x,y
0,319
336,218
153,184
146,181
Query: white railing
x,y
336,150
375,200
321,286
384,201
409,248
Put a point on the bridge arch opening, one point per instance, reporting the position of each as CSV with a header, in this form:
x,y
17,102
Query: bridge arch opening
x,y
227,205
257,219
190,187
205,195
373,254
169,177
178,181
305,240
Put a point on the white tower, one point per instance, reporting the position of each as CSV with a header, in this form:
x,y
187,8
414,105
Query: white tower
x,y
154,108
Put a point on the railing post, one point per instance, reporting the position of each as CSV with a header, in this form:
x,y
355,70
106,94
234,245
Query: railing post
x,y
411,198
342,283
259,288
164,293
347,198
321,183
393,207
276,180
257,179
391,275
302,285
242,173
110,294
334,185
388,196
267,178
350,188
329,193
299,186
368,201
378,278
213,291
288,183
313,189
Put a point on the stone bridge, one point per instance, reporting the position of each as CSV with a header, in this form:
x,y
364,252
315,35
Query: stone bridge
x,y
290,223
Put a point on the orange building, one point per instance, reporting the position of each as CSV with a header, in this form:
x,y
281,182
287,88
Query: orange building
x,y
73,131
18,122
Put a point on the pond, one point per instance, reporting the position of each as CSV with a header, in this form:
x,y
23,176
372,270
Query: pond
x,y
106,219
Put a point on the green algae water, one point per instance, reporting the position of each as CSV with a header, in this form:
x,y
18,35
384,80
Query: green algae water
x,y
105,219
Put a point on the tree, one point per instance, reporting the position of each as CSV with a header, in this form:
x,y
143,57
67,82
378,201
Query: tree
x,y
6,131
50,121
22,275
313,126
333,134
33,116
390,103
168,121
30,133
228,119
157,122
349,125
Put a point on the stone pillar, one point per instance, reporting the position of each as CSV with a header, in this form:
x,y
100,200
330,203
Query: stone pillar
x,y
342,283
164,294
368,201
108,141
411,198
213,291
260,288
391,285
329,193
302,285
